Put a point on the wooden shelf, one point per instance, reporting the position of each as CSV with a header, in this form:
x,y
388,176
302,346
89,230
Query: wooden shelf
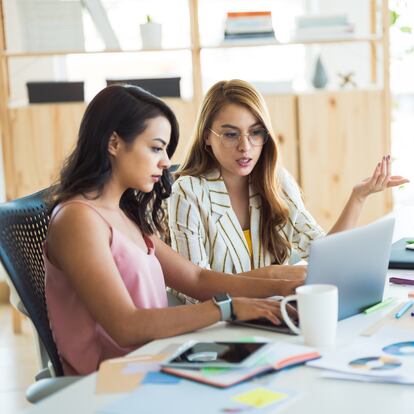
x,y
254,43
333,40
10,54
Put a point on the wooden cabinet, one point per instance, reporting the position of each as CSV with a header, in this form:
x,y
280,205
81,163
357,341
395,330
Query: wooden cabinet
x,y
282,109
341,139
43,135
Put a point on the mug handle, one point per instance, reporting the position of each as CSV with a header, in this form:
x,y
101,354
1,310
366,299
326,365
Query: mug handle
x,y
285,315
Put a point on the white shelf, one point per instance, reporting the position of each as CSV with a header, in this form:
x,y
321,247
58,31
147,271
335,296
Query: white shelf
x,y
10,54
332,40
230,44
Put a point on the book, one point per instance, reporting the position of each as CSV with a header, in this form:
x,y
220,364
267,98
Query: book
x,y
319,26
325,32
401,258
242,36
281,356
321,20
248,25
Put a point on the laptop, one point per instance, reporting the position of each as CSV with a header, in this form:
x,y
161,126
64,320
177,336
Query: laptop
x,y
356,261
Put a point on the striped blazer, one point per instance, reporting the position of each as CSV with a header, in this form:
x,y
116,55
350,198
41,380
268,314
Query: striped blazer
x,y
204,227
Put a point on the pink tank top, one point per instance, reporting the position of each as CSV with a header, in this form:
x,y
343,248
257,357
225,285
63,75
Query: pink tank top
x,y
81,342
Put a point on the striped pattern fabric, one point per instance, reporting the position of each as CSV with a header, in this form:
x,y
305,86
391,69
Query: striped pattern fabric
x,y
204,228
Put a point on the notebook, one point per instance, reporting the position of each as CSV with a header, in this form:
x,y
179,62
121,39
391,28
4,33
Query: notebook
x,y
282,355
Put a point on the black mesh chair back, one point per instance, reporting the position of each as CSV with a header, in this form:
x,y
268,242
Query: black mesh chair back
x,y
23,227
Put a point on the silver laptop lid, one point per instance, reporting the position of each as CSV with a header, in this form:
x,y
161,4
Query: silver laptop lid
x,y
356,261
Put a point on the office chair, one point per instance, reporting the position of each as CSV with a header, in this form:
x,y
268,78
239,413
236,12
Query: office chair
x,y
23,227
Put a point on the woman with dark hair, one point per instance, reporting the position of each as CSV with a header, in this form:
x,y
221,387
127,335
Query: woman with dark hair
x,y
106,271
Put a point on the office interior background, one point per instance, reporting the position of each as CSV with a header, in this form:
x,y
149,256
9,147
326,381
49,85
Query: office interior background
x,y
330,136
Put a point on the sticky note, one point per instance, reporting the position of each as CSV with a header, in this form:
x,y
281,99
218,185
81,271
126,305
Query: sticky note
x,y
214,371
260,397
247,339
411,294
156,377
143,367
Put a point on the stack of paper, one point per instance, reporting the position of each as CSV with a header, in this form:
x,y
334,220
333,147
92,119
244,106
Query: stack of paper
x,y
386,356
314,27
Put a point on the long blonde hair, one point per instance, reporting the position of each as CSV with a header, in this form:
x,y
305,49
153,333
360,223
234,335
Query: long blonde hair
x,y
263,177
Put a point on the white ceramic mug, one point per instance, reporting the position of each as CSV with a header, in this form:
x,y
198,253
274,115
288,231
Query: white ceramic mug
x,y
318,313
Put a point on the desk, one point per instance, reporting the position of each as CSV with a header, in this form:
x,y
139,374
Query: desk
x,y
317,395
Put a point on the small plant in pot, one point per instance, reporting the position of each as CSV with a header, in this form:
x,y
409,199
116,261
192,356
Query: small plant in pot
x,y
151,34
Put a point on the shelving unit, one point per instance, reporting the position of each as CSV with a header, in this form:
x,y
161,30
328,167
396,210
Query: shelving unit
x,y
36,138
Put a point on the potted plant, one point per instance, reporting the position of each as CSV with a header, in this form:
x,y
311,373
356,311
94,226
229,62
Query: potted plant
x,y
150,34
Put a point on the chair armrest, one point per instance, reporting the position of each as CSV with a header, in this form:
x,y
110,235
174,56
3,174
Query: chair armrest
x,y
48,386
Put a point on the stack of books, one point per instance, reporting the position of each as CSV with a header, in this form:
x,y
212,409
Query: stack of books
x,y
314,27
249,26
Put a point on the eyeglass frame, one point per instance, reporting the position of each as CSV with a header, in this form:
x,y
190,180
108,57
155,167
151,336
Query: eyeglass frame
x,y
248,135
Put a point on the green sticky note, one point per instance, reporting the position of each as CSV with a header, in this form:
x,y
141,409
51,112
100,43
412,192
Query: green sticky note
x,y
213,370
247,339
260,397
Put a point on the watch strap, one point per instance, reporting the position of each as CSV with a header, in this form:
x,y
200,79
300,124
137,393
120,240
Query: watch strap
x,y
224,306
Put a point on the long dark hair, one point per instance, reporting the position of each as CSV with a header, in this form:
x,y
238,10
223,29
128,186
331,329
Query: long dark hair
x,y
123,109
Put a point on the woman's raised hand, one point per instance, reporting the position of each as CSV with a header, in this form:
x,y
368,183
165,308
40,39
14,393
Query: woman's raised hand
x,y
246,309
379,181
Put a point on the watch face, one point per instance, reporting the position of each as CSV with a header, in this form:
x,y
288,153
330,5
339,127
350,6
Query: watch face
x,y
222,297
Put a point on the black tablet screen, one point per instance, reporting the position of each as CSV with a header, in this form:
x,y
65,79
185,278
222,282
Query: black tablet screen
x,y
230,352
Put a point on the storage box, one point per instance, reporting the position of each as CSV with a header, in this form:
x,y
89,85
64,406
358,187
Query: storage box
x,y
43,92
163,87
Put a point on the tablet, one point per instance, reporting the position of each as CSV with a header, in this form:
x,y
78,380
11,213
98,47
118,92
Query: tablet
x,y
217,354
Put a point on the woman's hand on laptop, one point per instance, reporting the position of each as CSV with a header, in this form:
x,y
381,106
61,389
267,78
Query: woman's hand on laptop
x,y
379,181
246,309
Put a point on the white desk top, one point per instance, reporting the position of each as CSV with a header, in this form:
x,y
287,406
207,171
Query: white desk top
x,y
316,395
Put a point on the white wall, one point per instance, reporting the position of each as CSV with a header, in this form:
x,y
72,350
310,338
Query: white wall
x,y
22,70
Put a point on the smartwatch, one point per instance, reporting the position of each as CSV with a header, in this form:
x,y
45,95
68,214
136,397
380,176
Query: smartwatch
x,y
224,303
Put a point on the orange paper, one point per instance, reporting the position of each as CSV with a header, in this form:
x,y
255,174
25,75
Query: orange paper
x,y
125,374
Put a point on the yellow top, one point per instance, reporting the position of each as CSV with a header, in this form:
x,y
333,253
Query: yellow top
x,y
248,238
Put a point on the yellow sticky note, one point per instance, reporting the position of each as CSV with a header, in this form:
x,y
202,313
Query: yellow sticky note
x,y
260,397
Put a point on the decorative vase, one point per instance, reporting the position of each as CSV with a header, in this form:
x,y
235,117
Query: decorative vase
x,y
320,78
151,34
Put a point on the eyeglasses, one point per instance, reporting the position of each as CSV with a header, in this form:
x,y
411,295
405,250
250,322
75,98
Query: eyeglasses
x,y
257,137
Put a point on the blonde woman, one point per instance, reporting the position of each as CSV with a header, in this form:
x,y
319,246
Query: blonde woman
x,y
233,208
